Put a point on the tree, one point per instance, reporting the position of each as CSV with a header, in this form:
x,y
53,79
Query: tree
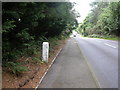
x,y
27,24
103,19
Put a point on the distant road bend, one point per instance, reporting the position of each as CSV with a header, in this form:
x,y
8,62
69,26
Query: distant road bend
x,y
102,56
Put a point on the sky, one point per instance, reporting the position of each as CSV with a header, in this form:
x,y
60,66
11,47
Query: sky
x,y
82,7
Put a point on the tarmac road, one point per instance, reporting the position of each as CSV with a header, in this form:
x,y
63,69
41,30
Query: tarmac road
x,y
84,63
69,70
102,56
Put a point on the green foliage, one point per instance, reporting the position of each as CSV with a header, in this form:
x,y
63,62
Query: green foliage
x,y
37,60
31,51
96,36
103,20
27,24
53,41
24,35
108,37
16,67
8,25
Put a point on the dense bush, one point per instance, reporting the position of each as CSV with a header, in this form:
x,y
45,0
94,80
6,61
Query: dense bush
x,y
103,20
27,24
16,68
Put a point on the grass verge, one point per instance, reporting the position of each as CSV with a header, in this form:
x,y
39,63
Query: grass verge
x,y
104,37
115,39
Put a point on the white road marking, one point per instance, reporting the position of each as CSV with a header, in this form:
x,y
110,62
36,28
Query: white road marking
x,y
110,45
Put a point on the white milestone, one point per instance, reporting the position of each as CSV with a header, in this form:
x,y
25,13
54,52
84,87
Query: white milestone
x,y
45,51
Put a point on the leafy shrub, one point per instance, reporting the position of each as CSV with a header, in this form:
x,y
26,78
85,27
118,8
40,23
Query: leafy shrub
x,y
35,59
27,25
31,51
101,36
95,36
11,56
38,60
16,68
53,41
7,26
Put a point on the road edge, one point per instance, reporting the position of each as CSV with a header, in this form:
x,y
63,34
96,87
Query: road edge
x,y
48,68
89,66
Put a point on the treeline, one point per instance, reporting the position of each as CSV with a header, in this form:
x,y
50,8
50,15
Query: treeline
x,y
27,24
102,21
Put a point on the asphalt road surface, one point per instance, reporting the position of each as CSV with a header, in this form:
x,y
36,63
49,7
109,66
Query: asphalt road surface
x,y
69,70
102,56
84,63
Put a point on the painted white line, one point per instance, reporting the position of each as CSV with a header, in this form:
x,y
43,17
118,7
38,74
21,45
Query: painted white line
x,y
48,69
110,45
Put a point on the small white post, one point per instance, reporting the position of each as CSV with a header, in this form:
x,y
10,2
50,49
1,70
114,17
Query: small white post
x,y
45,51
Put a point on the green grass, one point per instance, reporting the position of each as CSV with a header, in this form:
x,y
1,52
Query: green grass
x,y
104,37
115,39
